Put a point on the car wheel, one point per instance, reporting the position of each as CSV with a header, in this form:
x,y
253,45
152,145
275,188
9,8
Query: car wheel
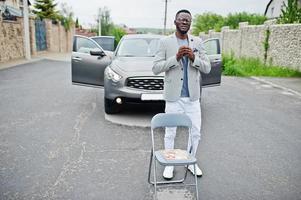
x,y
111,107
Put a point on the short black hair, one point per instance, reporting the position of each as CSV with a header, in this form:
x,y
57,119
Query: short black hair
x,y
183,11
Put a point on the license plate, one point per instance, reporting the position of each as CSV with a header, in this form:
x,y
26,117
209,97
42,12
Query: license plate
x,y
151,97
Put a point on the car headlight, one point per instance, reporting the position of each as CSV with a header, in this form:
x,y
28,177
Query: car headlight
x,y
112,75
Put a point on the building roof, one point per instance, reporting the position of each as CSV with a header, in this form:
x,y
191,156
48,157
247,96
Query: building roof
x,y
266,9
12,10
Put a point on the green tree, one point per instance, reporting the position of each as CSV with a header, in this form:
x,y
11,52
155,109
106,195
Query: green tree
x,y
66,16
117,32
46,9
106,23
206,22
107,26
76,23
291,13
233,20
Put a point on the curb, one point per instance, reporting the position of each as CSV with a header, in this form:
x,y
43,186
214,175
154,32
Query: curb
x,y
9,64
276,86
45,56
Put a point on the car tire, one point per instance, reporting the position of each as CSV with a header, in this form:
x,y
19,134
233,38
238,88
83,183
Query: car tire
x,y
111,107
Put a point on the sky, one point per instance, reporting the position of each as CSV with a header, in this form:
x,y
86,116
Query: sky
x,y
150,13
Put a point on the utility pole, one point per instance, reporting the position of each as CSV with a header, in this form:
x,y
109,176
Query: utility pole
x,y
99,22
165,16
26,30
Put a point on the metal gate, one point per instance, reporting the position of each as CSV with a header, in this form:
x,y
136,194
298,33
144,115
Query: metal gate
x,y
40,27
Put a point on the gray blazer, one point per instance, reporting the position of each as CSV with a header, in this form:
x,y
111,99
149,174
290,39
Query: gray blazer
x,y
165,61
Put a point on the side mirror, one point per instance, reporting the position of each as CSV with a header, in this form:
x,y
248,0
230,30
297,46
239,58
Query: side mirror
x,y
97,53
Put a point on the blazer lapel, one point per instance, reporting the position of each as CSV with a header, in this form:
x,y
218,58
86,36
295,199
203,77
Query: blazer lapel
x,y
175,41
191,45
190,41
176,45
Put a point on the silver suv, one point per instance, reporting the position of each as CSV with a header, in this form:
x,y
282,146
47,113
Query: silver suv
x,y
127,76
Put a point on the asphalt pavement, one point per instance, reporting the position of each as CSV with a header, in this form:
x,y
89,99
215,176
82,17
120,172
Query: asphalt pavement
x,y
57,143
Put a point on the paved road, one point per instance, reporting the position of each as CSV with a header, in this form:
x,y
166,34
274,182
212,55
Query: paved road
x,y
56,144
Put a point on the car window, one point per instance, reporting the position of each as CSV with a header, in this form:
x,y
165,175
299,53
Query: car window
x,y
211,47
85,45
138,47
105,43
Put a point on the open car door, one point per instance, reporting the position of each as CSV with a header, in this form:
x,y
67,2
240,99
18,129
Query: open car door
x,y
213,49
88,62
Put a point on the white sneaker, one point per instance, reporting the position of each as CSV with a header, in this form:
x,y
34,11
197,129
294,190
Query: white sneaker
x,y
199,172
168,172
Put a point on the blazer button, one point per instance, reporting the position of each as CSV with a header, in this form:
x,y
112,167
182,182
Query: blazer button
x,y
182,69
181,79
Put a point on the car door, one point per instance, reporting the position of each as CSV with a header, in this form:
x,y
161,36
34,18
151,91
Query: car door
x,y
86,68
212,47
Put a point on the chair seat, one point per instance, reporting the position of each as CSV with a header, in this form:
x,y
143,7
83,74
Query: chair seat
x,y
174,157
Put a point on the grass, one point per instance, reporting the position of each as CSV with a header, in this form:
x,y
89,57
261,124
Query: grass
x,y
254,67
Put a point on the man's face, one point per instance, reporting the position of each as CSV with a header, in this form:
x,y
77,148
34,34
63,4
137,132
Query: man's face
x,y
182,22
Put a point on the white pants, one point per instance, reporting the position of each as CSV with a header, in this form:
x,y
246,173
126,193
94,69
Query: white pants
x,y
193,110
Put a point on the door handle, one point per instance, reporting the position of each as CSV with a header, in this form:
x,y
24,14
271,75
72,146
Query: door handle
x,y
76,58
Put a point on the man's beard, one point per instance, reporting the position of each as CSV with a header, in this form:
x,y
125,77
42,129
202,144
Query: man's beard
x,y
182,32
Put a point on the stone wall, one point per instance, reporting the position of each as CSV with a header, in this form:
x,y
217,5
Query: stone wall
x,y
58,39
231,41
285,45
12,38
248,41
211,34
252,41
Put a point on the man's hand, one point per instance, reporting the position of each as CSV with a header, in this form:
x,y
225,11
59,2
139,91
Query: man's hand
x,y
185,51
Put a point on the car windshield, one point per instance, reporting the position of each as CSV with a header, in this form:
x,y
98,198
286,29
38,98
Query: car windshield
x,y
138,47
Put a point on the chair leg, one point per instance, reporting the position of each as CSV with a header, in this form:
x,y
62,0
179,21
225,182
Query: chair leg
x,y
155,178
196,183
150,168
155,174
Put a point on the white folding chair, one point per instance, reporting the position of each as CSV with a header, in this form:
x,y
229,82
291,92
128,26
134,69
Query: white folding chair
x,y
174,157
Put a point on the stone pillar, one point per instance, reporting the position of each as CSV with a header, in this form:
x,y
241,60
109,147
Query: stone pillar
x,y
242,24
210,33
21,21
270,22
59,38
203,35
32,30
71,33
48,24
223,30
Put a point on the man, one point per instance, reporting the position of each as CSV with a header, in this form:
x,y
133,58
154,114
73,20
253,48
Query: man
x,y
182,57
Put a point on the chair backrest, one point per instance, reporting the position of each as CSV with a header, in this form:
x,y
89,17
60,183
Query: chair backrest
x,y
170,120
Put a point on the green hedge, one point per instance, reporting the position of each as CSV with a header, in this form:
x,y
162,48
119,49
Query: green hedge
x,y
254,67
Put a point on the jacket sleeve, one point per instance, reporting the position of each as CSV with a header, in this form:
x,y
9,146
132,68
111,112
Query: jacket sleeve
x,y
201,60
161,63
